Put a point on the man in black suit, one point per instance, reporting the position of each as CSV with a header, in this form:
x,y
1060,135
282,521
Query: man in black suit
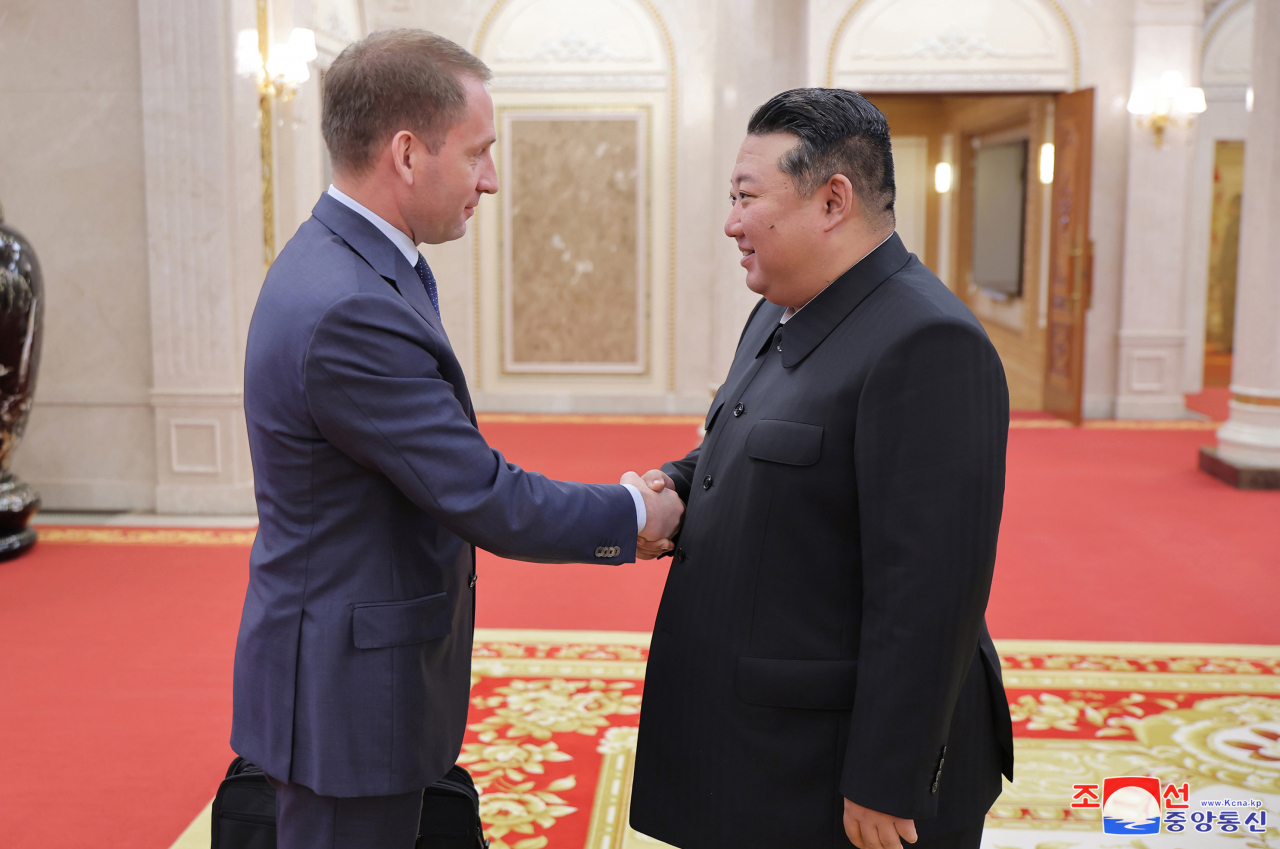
x,y
821,672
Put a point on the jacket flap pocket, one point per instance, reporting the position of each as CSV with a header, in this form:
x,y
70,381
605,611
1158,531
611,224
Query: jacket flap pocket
x,y
793,443
712,416
810,684
384,624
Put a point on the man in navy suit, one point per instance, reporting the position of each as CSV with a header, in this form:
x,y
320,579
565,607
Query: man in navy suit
x,y
373,484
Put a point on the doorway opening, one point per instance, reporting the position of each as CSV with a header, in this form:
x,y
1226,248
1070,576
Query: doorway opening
x,y
1224,247
993,197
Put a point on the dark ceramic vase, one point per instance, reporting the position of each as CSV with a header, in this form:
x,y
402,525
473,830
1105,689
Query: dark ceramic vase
x,y
21,322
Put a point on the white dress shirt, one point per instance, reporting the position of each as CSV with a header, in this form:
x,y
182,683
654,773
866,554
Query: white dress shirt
x,y
405,244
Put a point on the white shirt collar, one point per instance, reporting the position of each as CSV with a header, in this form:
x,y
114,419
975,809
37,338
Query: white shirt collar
x,y
791,313
397,237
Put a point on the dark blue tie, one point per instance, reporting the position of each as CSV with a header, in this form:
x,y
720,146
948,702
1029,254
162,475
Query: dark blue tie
x,y
429,282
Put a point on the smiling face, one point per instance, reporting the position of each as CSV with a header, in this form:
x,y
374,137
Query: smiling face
x,y
778,232
448,184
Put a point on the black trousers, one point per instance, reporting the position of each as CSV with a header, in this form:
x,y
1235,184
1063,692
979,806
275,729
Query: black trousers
x,y
969,837
307,820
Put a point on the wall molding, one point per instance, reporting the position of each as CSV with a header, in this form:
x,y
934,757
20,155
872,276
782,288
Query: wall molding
x,y
94,494
965,55
91,396
197,397
578,82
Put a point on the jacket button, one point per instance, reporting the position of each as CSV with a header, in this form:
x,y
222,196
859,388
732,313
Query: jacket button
x,y
707,482
739,410
474,578
680,555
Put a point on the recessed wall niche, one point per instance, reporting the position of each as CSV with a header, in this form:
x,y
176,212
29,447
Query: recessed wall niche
x,y
573,263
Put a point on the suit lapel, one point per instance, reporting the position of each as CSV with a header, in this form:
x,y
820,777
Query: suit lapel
x,y
386,259
377,250
748,360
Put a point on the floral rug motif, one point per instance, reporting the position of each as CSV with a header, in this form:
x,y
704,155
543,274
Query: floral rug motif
x,y
552,730
1203,716
552,734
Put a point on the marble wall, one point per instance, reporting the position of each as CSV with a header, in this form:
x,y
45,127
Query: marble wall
x,y
574,288
72,178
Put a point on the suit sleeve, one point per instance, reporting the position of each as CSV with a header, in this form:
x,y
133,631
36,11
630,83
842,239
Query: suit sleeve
x,y
930,460
375,391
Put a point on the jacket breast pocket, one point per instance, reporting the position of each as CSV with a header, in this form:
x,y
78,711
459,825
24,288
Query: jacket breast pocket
x,y
385,624
778,441
806,684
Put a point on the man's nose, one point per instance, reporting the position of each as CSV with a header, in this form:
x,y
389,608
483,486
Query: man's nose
x,y
488,182
733,224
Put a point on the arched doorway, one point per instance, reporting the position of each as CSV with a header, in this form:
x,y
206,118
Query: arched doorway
x,y
986,91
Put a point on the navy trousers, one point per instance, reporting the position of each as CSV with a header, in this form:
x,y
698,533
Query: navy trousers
x,y
306,820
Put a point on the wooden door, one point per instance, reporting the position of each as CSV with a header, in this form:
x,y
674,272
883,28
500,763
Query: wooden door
x,y
1070,254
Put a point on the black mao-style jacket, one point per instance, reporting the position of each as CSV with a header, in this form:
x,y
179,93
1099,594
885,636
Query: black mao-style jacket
x,y
821,634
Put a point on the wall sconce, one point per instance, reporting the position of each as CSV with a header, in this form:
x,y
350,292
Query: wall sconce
x,y
1046,163
280,68
1171,102
942,178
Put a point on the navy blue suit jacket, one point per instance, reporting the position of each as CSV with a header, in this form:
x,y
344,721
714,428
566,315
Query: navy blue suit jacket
x,y
352,668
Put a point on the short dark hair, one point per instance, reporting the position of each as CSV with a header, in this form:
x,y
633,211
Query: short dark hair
x,y
840,132
393,80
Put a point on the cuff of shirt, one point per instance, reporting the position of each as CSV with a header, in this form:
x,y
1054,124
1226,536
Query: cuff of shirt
x,y
642,515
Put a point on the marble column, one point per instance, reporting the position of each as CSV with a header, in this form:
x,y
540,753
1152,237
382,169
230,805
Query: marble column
x,y
745,79
197,337
1152,329
1248,452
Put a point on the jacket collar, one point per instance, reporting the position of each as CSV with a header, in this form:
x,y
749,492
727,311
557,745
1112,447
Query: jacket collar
x,y
377,250
809,327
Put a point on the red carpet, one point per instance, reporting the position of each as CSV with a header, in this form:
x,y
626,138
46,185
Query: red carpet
x,y
1107,535
1212,401
1114,535
115,691
115,677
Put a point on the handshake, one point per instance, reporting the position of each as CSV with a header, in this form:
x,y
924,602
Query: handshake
x,y
664,511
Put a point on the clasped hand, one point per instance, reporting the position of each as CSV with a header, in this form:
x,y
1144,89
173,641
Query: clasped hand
x,y
664,512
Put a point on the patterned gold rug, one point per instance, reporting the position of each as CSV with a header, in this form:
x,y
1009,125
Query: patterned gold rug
x,y
552,735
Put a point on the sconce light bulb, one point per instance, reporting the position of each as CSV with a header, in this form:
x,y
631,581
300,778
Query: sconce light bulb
x,y
1191,101
1046,163
942,177
1248,99
248,59
302,42
1142,101
1171,84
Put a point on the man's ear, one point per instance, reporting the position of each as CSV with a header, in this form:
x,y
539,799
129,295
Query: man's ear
x,y
839,202
403,146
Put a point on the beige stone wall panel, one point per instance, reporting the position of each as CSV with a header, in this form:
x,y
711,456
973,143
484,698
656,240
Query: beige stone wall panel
x,y
574,287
